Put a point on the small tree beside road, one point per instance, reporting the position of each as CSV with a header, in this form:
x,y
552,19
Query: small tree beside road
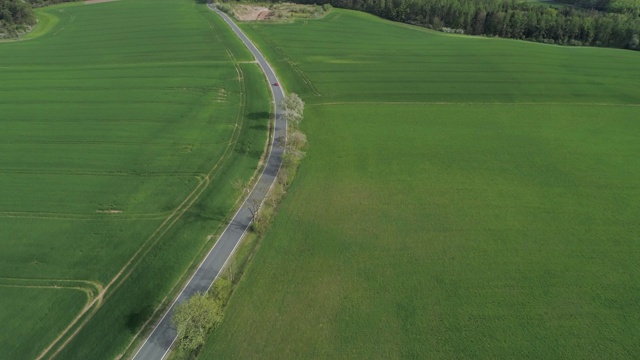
x,y
293,109
194,319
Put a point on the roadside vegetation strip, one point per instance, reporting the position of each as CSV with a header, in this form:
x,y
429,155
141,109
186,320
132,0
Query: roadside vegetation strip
x,y
257,103
72,218
163,335
262,212
452,230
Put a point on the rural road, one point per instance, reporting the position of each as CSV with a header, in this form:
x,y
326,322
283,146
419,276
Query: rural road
x,y
157,345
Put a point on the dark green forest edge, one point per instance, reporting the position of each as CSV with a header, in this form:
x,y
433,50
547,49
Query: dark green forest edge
x,y
606,23
17,16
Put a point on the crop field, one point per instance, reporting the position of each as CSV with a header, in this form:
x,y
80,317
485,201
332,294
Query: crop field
x,y
123,125
462,197
49,310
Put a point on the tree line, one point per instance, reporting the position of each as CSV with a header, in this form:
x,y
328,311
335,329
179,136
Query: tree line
x,y
620,6
565,25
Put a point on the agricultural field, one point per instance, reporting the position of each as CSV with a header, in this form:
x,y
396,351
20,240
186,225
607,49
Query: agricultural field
x,y
462,197
123,125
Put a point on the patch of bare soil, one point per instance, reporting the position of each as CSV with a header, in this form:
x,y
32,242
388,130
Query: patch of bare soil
x,y
110,211
263,15
250,13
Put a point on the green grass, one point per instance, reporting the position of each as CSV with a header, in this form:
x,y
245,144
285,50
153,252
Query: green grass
x,y
46,21
461,198
49,311
407,63
123,127
160,271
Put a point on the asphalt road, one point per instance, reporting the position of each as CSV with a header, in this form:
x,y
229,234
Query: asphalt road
x,y
157,345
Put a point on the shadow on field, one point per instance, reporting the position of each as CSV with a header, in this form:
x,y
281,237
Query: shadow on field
x,y
260,115
253,154
259,127
201,213
136,319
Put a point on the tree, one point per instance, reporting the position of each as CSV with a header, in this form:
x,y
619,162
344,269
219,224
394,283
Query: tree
x,y
479,22
194,319
297,140
634,43
254,207
240,185
258,218
293,109
221,289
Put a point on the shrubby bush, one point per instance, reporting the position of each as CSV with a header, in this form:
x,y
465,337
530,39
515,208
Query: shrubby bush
x,y
293,109
226,9
15,18
452,31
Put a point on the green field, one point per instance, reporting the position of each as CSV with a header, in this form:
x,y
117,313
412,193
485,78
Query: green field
x,y
49,311
461,197
123,125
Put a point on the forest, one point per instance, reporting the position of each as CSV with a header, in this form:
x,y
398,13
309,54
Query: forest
x,y
17,16
606,23
620,6
593,23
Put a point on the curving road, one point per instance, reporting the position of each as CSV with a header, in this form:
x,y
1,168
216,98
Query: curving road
x,y
157,345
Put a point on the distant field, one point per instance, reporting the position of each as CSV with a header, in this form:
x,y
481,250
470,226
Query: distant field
x,y
123,127
461,198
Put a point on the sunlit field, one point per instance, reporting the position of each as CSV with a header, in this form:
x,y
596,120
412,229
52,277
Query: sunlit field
x,y
123,126
462,197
